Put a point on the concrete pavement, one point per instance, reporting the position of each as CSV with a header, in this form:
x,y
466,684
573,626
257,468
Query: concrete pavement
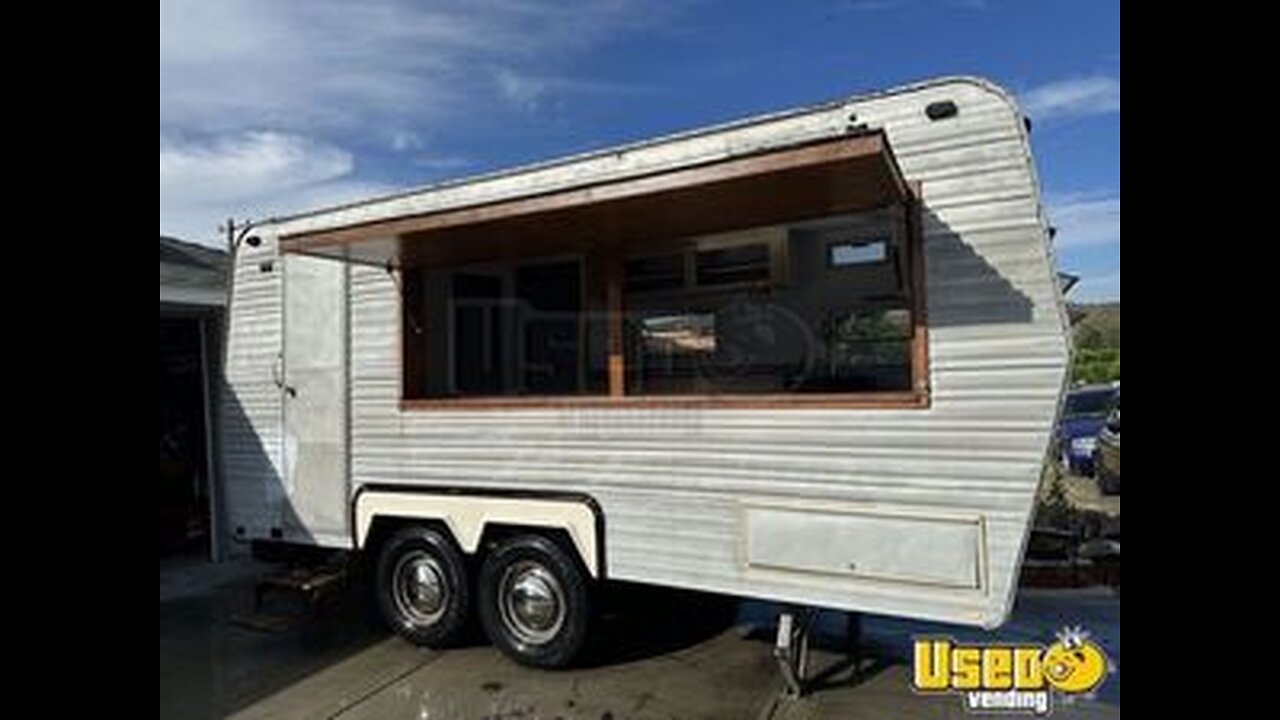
x,y
662,654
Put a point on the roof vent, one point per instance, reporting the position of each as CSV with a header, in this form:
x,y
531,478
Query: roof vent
x,y
941,110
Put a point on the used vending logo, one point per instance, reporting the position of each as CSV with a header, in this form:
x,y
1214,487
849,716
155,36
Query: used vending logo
x,y
1010,678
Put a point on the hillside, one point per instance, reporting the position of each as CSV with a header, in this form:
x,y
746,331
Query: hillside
x,y
1096,331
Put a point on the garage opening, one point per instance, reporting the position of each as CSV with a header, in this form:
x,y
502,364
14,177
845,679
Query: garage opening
x,y
184,482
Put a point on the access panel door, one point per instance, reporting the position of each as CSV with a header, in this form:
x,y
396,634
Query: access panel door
x,y
315,401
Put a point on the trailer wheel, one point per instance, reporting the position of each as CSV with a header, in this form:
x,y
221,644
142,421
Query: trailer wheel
x,y
535,601
422,586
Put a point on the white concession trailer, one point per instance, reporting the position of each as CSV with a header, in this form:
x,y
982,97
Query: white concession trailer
x,y
812,357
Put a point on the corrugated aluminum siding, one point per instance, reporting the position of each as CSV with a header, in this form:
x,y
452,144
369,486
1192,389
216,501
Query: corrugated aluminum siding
x,y
249,399
672,482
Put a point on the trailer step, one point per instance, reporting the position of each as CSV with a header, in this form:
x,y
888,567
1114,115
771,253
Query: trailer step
x,y
304,591
314,585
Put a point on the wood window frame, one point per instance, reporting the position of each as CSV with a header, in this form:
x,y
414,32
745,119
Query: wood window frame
x,y
613,259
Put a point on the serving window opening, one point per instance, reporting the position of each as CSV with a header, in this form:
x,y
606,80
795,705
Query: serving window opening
x,y
820,308
791,277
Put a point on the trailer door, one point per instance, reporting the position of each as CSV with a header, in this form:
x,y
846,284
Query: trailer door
x,y
315,401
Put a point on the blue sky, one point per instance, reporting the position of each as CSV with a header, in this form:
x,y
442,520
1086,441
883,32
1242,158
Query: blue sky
x,y
268,108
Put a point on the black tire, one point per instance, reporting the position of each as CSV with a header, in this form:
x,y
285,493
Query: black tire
x,y
541,561
415,552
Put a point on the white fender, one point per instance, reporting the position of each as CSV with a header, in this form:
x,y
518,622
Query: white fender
x,y
467,515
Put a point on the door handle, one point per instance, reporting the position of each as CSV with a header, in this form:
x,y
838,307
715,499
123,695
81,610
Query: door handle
x,y
277,376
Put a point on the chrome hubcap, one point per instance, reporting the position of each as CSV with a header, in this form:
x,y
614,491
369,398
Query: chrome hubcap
x,y
419,588
531,602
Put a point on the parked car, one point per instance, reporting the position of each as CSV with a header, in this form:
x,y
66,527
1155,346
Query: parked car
x,y
1083,415
1107,453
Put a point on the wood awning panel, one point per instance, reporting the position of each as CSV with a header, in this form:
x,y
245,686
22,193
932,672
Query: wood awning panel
x,y
841,175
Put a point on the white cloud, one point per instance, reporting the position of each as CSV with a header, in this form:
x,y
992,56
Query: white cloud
x,y
222,169
1085,220
1088,242
331,64
523,90
879,5
871,5
442,163
259,174
527,91
1096,288
248,88
402,140
1075,97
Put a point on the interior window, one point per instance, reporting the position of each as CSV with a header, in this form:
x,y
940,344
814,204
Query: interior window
x,y
550,320
818,307
870,348
479,332
523,328
656,272
809,311
844,254
725,266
